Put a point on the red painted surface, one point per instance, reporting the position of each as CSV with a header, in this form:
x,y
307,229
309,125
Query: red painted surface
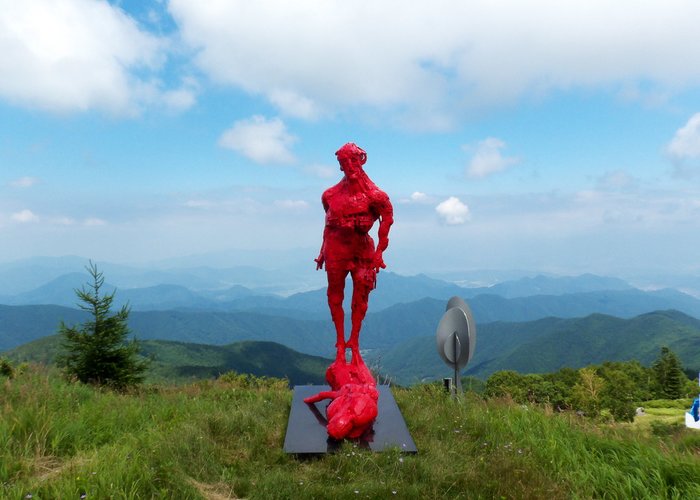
x,y
352,207
352,411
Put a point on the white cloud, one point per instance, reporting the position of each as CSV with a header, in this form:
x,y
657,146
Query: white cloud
x,y
27,216
75,55
24,182
437,58
294,104
417,198
686,143
260,139
94,221
453,211
488,158
24,216
180,99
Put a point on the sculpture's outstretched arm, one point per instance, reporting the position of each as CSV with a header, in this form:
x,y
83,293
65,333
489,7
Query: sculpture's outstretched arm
x,y
321,254
386,219
321,396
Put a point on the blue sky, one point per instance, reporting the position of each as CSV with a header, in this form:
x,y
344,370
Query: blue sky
x,y
549,136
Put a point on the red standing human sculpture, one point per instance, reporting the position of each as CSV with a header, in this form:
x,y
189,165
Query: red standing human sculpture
x,y
352,207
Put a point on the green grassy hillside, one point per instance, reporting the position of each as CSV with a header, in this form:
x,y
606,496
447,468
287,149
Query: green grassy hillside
x,y
178,360
223,439
181,362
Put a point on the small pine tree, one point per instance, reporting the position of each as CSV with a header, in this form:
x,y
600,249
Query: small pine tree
x,y
97,352
669,375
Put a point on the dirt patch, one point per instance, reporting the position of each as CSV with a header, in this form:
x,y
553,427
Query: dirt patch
x,y
215,491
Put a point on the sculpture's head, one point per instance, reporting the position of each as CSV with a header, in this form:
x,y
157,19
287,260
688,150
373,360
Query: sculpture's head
x,y
351,158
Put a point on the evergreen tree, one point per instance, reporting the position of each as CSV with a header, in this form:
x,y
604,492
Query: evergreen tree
x,y
669,375
97,352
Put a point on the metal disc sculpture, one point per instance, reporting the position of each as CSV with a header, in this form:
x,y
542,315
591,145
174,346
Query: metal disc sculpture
x,y
456,337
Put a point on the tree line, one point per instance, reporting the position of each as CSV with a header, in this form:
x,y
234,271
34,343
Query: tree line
x,y
613,389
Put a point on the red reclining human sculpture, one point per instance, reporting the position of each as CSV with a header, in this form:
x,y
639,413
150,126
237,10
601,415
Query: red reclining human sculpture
x,y
352,207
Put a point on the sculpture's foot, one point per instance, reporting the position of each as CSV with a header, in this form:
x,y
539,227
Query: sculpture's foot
x,y
353,344
354,351
340,350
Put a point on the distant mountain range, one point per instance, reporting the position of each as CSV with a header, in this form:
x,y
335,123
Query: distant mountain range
x,y
519,300
392,289
520,321
549,344
548,285
539,346
302,322
21,324
26,275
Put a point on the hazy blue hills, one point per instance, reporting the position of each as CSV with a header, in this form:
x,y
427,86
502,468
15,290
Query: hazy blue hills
x,y
22,324
28,274
399,323
550,285
393,289
509,301
306,326
22,276
621,303
543,345
61,291
180,361
521,323
548,344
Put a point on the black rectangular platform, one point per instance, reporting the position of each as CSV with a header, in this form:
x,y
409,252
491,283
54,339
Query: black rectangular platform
x,y
306,429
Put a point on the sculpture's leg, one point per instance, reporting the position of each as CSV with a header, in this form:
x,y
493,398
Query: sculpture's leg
x,y
360,298
336,294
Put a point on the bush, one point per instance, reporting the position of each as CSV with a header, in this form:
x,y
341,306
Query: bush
x,y
6,368
666,429
683,404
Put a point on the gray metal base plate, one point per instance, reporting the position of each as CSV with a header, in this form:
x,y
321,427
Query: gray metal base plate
x,y
306,429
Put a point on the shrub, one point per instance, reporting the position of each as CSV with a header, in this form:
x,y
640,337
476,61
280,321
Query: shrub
x,y
6,368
